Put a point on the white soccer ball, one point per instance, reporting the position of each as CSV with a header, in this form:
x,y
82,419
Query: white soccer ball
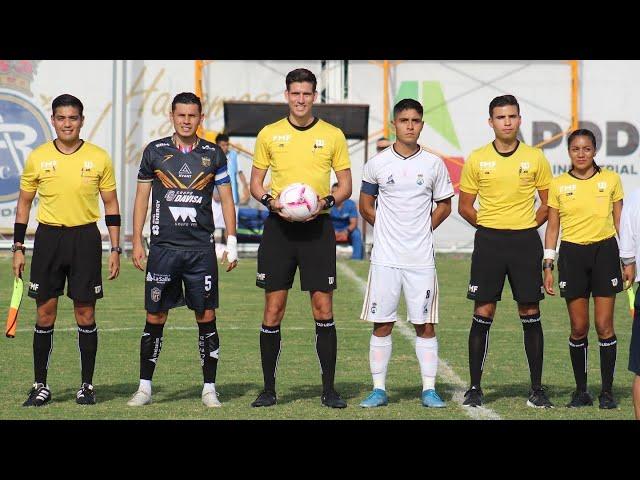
x,y
299,201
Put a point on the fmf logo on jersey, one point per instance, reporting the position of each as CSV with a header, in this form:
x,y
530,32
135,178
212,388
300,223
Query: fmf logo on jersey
x,y
602,186
281,138
48,166
23,126
183,213
524,167
487,166
565,189
319,143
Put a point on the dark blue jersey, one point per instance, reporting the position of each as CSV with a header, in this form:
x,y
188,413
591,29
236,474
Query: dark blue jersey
x,y
181,216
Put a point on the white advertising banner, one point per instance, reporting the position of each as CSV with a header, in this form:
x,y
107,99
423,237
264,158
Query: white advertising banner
x,y
455,96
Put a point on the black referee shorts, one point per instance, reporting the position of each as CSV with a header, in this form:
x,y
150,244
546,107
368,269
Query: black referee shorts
x,y
73,253
634,349
168,269
514,253
311,246
592,269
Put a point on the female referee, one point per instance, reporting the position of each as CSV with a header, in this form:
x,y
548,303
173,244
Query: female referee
x,y
587,202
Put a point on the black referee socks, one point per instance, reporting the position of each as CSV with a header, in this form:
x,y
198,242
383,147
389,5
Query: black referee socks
x,y
42,346
269,354
88,346
478,346
327,348
533,346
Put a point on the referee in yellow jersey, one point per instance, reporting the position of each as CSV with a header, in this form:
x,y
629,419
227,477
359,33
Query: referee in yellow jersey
x,y
587,203
68,174
299,148
505,175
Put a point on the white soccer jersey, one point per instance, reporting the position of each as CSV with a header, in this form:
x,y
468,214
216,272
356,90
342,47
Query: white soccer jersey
x,y
406,189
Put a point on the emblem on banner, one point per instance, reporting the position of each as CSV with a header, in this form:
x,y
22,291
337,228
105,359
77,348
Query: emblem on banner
x,y
23,126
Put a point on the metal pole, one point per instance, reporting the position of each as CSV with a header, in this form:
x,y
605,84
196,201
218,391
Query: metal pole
x,y
574,94
385,106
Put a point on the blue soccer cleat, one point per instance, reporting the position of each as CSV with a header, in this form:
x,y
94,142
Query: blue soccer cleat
x,y
377,398
431,399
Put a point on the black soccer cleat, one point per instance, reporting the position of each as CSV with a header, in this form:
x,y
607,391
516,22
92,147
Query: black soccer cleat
x,y
38,395
538,399
86,395
332,399
265,399
473,397
580,399
607,402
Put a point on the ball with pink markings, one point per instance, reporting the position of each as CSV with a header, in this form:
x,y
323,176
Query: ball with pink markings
x,y
299,201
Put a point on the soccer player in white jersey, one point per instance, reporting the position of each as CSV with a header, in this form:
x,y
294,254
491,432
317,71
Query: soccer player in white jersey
x,y
404,181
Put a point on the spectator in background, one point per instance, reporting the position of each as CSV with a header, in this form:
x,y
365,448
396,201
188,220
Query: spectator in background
x,y
235,173
382,143
344,216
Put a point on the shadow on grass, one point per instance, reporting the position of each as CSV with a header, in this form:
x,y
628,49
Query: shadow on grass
x,y
558,394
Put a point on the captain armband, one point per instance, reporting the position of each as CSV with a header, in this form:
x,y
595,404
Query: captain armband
x,y
19,232
112,220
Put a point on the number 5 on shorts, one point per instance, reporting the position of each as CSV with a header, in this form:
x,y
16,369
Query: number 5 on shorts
x,y
207,283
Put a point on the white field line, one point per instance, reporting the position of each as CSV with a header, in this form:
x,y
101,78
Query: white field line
x,y
445,371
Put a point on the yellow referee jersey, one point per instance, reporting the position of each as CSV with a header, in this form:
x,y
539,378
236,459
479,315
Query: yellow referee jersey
x,y
301,154
68,184
586,206
506,186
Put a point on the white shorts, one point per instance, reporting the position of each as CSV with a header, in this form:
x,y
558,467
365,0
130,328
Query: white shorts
x,y
420,287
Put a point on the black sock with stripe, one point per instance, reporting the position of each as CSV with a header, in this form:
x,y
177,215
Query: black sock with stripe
x,y
608,352
478,346
578,352
150,347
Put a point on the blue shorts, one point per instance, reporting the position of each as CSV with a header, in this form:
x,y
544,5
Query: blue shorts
x,y
168,269
634,349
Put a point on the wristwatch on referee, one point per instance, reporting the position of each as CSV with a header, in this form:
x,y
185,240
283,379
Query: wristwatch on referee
x,y
547,264
116,249
15,248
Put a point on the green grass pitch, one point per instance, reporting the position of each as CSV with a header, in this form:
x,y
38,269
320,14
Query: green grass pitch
x,y
178,379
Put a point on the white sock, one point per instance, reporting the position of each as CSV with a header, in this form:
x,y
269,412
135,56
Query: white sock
x,y
209,387
145,386
427,353
379,355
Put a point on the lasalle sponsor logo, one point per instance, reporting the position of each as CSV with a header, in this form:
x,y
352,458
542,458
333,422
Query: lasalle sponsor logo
x,y
158,277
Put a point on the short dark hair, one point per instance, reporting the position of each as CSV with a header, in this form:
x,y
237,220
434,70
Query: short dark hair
x,y
583,132
187,98
407,104
66,100
503,101
222,137
301,75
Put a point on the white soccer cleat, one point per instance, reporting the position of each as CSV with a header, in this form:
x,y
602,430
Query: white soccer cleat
x,y
210,399
139,399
